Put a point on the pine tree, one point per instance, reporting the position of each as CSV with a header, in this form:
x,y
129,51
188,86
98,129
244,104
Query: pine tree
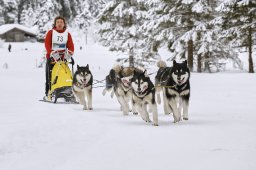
x,y
185,25
120,21
10,11
27,16
96,6
47,10
83,20
238,22
1,12
190,18
65,9
156,26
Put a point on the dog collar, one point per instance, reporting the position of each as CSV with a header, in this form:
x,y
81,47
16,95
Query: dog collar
x,y
80,85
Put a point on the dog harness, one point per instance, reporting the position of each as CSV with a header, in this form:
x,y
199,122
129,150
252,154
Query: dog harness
x,y
81,85
59,40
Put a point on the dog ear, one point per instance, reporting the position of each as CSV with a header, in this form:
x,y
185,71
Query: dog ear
x,y
145,73
174,62
185,62
134,72
87,66
78,66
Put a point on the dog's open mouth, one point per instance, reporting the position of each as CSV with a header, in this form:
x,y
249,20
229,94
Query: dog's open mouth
x,y
139,92
84,82
181,81
126,83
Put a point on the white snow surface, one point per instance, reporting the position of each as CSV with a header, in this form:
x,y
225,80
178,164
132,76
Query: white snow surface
x,y
219,135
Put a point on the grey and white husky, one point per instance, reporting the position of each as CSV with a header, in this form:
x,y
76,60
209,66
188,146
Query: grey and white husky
x,y
143,97
82,86
174,82
119,82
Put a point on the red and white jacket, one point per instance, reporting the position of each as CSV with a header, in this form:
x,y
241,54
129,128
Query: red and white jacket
x,y
58,40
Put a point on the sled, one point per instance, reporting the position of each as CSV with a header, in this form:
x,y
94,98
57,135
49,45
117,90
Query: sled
x,y
61,78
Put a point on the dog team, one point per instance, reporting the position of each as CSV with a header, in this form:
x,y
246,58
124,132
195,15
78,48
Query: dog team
x,y
135,91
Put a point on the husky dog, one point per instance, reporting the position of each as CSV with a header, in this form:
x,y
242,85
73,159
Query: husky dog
x,y
143,97
82,86
174,82
119,81
111,80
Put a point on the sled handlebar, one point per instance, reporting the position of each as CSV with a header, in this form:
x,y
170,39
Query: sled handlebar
x,y
61,55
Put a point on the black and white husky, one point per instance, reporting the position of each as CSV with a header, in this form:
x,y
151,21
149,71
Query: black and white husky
x,y
143,97
119,81
82,86
174,82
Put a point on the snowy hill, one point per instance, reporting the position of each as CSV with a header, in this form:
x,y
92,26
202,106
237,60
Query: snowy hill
x,y
34,135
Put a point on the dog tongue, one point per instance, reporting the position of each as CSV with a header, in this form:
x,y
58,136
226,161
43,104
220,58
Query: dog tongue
x,y
84,82
145,87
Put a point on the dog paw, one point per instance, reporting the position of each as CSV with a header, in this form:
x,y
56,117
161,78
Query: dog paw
x,y
185,118
155,124
104,92
125,113
84,108
176,121
90,108
135,113
148,121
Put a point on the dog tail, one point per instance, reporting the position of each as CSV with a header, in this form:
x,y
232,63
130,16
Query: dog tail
x,y
104,92
117,68
161,64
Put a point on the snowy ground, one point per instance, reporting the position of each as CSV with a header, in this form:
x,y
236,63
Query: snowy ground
x,y
220,134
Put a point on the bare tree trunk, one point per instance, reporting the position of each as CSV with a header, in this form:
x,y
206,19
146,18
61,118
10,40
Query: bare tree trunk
x,y
199,63
131,58
86,38
206,64
250,44
190,55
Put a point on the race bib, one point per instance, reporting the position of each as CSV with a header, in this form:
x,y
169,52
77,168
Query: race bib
x,y
59,40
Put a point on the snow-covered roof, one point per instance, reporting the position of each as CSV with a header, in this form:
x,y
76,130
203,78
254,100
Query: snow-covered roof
x,y
7,27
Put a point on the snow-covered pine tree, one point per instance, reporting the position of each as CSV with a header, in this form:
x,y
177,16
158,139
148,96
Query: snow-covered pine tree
x,y
83,20
69,9
157,26
1,12
175,24
27,16
46,12
184,24
212,54
238,20
96,6
65,9
10,11
21,5
190,19
119,23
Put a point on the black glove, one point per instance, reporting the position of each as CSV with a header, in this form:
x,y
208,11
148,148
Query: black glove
x,y
50,60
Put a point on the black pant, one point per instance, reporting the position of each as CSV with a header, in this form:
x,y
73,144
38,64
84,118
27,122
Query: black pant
x,y
48,75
